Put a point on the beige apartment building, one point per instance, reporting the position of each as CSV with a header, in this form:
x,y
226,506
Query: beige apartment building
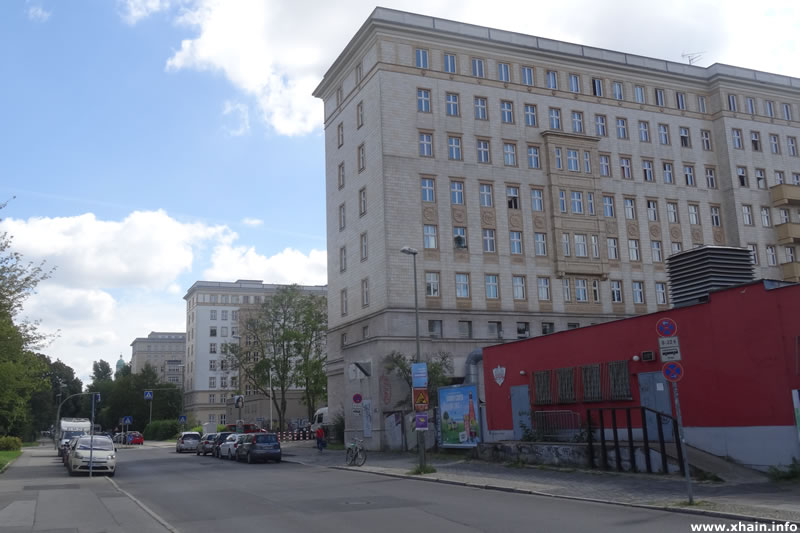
x,y
164,351
543,183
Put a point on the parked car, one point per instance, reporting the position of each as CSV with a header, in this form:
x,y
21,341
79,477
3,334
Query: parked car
x,y
259,447
227,450
206,445
134,437
218,440
187,441
119,438
102,452
66,449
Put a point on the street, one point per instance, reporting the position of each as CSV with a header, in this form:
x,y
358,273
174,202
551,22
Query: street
x,y
204,494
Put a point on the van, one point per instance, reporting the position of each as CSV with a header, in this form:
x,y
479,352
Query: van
x,y
320,419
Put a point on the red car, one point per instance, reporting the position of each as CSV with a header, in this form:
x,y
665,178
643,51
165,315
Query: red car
x,y
134,437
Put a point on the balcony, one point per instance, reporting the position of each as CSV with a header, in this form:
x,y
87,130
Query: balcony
x,y
788,233
791,271
784,194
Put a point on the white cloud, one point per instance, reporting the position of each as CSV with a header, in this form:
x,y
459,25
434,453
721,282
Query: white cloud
x,y
132,11
240,114
38,14
253,222
54,303
230,263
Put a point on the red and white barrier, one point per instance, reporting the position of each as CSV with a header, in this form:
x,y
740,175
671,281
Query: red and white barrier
x,y
294,435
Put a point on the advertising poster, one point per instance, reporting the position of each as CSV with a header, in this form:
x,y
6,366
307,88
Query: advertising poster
x,y
796,401
458,416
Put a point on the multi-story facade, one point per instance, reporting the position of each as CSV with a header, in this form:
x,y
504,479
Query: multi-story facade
x,y
164,351
212,322
544,183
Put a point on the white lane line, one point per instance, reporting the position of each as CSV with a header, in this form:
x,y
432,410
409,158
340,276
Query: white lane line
x,y
145,508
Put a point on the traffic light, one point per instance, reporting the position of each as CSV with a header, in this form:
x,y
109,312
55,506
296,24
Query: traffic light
x,y
96,397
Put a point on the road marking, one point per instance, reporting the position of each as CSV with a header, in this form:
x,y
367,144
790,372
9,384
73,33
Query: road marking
x,y
145,508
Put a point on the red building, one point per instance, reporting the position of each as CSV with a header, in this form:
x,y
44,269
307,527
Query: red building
x,y
741,356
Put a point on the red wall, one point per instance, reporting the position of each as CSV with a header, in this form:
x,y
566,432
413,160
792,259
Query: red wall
x,y
738,352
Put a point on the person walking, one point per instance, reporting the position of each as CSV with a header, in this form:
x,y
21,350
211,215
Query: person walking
x,y
320,435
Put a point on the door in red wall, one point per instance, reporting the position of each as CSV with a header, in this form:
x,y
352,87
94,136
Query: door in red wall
x,y
654,393
520,410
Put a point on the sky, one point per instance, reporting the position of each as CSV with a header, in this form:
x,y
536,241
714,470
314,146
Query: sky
x,y
149,144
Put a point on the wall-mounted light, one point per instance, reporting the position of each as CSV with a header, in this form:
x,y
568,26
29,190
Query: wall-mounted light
x,y
635,357
522,373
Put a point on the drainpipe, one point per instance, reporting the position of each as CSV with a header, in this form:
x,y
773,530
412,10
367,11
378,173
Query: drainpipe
x,y
471,366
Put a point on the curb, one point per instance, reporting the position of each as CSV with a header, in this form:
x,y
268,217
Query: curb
x,y
516,490
145,508
11,462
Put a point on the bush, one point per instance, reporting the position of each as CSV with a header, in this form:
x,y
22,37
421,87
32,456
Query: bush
x,y
161,430
10,444
337,428
790,473
197,429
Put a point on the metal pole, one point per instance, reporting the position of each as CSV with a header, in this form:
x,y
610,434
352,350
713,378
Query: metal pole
x,y
151,409
420,434
91,438
271,401
682,443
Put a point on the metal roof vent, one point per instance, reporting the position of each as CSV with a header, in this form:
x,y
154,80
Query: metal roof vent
x,y
693,274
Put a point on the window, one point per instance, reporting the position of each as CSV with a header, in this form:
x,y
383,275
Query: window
x,y
559,161
705,139
597,87
577,202
668,176
755,140
633,249
787,111
212,384
540,242
676,247
425,145
747,215
617,90
655,249
638,94
774,144
694,214
465,329
644,131
359,114
562,201
342,259
527,75
751,105
600,125
565,244
537,200
212,363
365,332
792,143
741,172
566,289
613,248
429,236
485,194
701,104
630,208
784,215
716,219
663,134
483,151
423,100
477,67
766,219
761,178
580,246
577,122
343,301
680,100
212,398
450,63
510,154
454,148
491,286
543,286
363,246
711,179
506,112
342,219
552,79
574,83
213,314
587,162
638,292
605,166
581,291
530,115
489,241
435,328
608,206
595,246
573,163
772,257
652,210
457,193
686,141
625,168
533,157
362,158
555,118
518,286
512,197
753,253
495,329
688,173
462,285
428,190
365,292
224,313
451,104
515,238
661,293
548,328
647,170
480,108
503,72
622,128
736,135
340,134
789,254
422,58
732,102
212,331
460,237
672,212
616,291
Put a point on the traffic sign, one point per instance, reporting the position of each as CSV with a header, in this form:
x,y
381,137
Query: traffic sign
x,y
673,371
666,327
357,398
148,395
127,420
421,399
182,419
419,374
421,422
670,349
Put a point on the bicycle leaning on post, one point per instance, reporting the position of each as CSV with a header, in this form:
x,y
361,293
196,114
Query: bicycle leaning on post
x,y
356,454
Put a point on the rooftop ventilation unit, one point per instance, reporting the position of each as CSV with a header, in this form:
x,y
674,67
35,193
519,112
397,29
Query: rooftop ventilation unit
x,y
695,273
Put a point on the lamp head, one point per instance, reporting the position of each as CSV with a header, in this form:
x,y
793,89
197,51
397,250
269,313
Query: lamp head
x,y
409,250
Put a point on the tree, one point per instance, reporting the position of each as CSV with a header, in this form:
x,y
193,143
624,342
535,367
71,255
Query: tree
x,y
310,333
101,371
440,367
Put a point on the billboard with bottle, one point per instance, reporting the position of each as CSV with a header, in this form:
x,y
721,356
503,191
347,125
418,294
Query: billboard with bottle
x,y
458,416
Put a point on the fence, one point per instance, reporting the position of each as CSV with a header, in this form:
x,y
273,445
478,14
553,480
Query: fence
x,y
285,436
558,426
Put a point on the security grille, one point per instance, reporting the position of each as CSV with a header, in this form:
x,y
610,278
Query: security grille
x,y
566,385
592,391
620,380
541,381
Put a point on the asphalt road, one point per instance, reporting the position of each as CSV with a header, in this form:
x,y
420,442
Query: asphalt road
x,y
203,494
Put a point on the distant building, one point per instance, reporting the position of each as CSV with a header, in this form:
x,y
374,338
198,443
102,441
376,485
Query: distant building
x,y
164,351
120,363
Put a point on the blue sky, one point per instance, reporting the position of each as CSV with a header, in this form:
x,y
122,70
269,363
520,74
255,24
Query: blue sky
x,y
153,143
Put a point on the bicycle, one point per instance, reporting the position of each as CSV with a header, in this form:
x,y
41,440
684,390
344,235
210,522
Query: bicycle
x,y
356,454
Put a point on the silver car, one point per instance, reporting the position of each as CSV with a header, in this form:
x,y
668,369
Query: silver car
x,y
188,441
97,451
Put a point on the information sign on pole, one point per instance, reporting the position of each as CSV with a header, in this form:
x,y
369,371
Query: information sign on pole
x,y
669,348
421,400
419,375
666,327
421,422
673,371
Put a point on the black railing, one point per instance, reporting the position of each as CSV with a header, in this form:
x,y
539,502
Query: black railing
x,y
642,412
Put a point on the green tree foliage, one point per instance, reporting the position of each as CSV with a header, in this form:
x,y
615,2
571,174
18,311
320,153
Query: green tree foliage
x,y
101,371
440,368
44,403
309,344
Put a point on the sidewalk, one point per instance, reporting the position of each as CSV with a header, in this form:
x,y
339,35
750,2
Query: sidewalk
x,y
773,501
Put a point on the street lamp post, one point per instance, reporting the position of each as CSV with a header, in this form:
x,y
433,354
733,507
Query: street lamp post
x,y
420,435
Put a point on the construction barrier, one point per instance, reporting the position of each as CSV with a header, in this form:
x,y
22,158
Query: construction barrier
x,y
294,435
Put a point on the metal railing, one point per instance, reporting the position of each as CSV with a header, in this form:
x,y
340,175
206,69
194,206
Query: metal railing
x,y
560,426
641,413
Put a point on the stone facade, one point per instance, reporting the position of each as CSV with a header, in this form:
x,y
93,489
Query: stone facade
x,y
573,172
164,351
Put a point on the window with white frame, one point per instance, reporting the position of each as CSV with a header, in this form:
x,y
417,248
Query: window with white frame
x,y
527,75
577,122
587,162
460,237
659,97
766,217
755,141
555,118
716,218
741,173
566,289
672,212
565,244
680,100
694,214
616,291
676,247
462,285
212,314
451,104
774,144
489,241
341,175
630,208
485,195
747,215
504,72
363,246
533,157
761,178
661,293
365,292
597,87
622,128
600,125
362,158
701,104
342,259
340,134
422,58
483,151
581,290
562,200
558,159
688,174
732,102
343,301
537,200
705,140
457,192
772,256
429,236
573,164
711,178
574,83
605,166
784,215
787,111
753,253
736,136
792,144
580,246
596,291
530,115
577,202
506,112
425,144
608,206
617,90
428,190
481,111
450,63
655,249
490,281
432,284
510,154
647,170
638,94
686,141
750,104
212,382
478,68
652,210
552,79
540,242
595,246
633,250
644,131
543,286
625,168
515,241
518,287
454,148
638,292
663,134
613,248
788,252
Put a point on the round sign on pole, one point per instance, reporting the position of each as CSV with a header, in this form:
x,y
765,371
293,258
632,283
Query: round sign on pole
x,y
666,327
357,398
673,371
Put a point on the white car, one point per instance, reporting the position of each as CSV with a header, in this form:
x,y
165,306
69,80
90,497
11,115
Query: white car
x,y
227,450
100,449
187,441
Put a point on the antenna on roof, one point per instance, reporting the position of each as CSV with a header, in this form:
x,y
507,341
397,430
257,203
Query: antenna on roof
x,y
692,57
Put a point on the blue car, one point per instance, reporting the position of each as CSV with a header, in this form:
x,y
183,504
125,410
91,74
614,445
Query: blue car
x,y
259,447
